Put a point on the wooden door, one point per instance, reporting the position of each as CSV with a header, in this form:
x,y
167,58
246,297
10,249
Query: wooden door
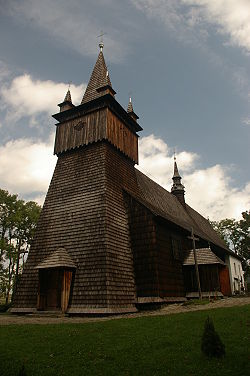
x,y
50,286
65,292
225,281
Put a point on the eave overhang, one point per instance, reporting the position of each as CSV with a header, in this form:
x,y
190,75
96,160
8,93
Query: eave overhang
x,y
106,100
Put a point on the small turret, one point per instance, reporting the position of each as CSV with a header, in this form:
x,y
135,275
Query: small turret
x,y
67,103
130,110
177,188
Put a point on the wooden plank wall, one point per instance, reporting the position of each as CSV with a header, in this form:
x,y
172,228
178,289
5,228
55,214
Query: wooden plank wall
x,y
81,131
93,127
209,278
121,136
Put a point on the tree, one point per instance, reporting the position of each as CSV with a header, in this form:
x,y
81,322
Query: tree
x,y
244,249
236,235
211,344
17,225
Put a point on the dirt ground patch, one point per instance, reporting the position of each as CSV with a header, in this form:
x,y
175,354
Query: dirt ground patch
x,y
10,319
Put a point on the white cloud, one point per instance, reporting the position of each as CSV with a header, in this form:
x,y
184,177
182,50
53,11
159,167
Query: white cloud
x,y
246,121
25,96
190,19
193,22
156,159
232,18
26,166
207,190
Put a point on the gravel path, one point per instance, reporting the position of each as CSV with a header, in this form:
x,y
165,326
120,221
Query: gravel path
x,y
9,319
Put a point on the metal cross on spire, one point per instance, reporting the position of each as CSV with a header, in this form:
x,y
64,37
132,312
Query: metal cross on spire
x,y
101,44
174,155
69,84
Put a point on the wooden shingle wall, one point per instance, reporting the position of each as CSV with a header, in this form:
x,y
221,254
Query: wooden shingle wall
x,y
120,174
84,213
143,243
73,217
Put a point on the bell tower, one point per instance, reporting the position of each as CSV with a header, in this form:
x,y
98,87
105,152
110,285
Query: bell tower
x,y
81,260
99,117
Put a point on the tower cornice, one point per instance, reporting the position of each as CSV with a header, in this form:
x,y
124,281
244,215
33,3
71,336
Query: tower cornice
x,y
106,100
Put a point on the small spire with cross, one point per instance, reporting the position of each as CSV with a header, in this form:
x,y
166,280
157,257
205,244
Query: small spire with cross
x,y
67,102
130,105
130,109
177,188
101,44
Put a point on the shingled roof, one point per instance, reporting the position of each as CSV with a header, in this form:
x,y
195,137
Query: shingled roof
x,y
99,79
58,258
205,256
68,97
164,204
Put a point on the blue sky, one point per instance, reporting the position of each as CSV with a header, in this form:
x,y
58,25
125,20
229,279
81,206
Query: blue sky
x,y
186,63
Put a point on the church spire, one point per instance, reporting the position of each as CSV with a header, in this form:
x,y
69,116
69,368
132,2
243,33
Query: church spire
x,y
67,103
99,83
130,110
177,188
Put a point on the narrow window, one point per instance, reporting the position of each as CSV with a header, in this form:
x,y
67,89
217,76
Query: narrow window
x,y
235,268
176,248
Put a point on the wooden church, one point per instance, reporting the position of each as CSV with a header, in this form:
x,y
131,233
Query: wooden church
x,y
110,239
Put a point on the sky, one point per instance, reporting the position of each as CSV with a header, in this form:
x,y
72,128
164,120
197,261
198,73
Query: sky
x,y
186,64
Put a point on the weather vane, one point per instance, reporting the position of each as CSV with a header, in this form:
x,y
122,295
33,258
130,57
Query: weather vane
x,y
101,44
69,84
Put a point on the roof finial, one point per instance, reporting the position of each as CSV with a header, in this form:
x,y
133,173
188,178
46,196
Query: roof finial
x,y
101,44
177,188
130,105
68,95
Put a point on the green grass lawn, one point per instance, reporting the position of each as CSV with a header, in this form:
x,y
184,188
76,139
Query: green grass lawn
x,y
163,345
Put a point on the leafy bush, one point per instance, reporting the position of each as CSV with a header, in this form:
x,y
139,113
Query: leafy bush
x,y
4,307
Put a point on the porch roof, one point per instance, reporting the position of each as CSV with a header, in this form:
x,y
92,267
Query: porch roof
x,y
205,256
58,258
